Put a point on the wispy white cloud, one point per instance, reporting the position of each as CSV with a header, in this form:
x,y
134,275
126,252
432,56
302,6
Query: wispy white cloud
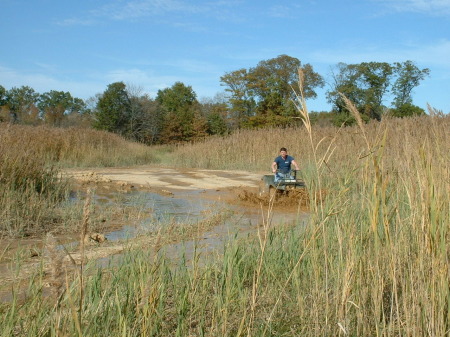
x,y
204,85
194,66
76,22
192,26
47,67
138,9
42,82
147,80
280,11
132,10
434,7
142,8
435,54
201,76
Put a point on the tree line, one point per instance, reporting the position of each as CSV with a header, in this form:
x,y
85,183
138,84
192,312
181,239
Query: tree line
x,y
260,96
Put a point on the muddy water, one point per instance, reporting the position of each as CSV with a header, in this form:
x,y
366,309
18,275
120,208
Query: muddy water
x,y
194,206
160,208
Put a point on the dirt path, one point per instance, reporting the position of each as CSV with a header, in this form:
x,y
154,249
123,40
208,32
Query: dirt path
x,y
157,178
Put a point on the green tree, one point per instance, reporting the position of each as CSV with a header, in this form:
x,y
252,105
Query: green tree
x,y
269,89
4,109
183,120
375,79
368,84
54,106
409,76
407,110
321,118
2,96
365,84
113,109
177,97
276,80
241,99
216,124
146,118
217,114
22,103
344,80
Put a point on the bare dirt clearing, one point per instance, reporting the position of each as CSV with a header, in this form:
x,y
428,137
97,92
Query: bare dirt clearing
x,y
157,178
234,187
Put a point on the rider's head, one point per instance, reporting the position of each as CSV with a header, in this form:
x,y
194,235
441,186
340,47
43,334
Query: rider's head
x,y
283,152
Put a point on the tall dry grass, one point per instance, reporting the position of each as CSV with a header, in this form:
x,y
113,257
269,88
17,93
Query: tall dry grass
x,y
372,261
75,147
31,190
256,149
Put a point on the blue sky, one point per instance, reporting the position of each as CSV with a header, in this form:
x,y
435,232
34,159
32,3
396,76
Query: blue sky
x,y
82,46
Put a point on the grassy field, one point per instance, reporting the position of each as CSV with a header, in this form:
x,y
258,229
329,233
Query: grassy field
x,y
373,261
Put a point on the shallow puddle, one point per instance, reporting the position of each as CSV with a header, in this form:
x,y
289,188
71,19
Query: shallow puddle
x,y
191,207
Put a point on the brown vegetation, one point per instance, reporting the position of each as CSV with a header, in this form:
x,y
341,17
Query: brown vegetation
x,y
372,261
31,189
256,149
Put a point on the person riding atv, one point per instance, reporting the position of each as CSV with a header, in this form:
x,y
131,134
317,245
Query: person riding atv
x,y
283,179
281,166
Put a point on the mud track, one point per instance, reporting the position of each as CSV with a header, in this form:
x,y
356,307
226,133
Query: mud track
x,y
157,178
235,187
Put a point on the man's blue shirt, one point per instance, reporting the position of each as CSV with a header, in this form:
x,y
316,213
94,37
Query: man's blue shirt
x,y
284,165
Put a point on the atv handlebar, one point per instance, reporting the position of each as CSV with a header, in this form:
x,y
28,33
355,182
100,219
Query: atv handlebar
x,y
292,173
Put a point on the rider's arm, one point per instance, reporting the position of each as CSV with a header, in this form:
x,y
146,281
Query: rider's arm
x,y
295,164
274,167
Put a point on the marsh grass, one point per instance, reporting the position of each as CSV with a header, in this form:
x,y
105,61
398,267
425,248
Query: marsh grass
x,y
31,188
255,149
75,147
373,261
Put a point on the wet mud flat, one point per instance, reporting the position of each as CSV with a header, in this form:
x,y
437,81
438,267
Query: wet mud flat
x,y
174,222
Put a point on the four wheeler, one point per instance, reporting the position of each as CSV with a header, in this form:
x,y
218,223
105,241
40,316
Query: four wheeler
x,y
287,182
